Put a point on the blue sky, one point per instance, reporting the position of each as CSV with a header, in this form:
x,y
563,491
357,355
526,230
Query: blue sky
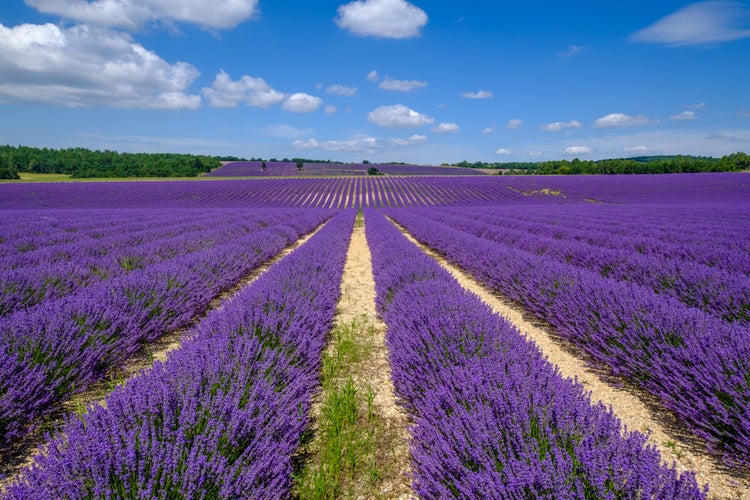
x,y
383,80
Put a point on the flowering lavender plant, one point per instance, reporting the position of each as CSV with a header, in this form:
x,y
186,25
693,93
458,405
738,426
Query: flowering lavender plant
x,y
492,418
223,416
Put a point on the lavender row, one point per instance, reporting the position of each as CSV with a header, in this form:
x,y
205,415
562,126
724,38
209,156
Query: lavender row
x,y
60,347
717,291
493,419
223,416
118,252
36,236
653,340
34,232
715,243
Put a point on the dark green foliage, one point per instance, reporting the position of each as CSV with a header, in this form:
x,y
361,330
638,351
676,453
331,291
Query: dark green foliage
x,y
80,163
373,171
7,169
638,165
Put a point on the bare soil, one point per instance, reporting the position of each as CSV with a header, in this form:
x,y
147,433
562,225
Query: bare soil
x,y
357,304
636,409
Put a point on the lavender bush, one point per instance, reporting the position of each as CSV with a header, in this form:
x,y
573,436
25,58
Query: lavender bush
x,y
223,416
492,418
61,346
717,290
694,362
116,246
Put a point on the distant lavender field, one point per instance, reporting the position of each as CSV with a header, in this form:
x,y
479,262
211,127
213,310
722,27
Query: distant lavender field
x,y
380,192
289,169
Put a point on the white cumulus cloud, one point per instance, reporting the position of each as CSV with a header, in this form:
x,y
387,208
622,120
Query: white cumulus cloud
x,y
342,90
514,124
135,14
503,152
446,128
364,144
636,150
401,85
684,116
620,120
330,109
373,76
560,126
252,91
577,150
398,116
490,129
535,154
301,103
361,145
88,66
699,23
414,139
382,18
479,94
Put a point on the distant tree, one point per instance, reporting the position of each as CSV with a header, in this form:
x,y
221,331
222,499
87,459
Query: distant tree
x,y
300,165
365,162
263,166
736,161
80,162
7,169
373,171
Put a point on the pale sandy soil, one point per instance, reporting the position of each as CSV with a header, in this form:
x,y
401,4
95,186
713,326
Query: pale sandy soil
x,y
637,410
157,350
357,303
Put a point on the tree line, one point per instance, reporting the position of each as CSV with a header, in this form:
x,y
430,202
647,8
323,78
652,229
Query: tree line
x,y
638,165
85,163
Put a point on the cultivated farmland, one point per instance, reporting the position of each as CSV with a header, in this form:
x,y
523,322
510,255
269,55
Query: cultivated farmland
x,y
643,280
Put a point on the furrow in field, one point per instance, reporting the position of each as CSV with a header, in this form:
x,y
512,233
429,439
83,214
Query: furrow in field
x,y
367,456
637,410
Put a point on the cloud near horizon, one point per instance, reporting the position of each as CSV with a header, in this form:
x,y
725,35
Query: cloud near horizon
x,y
366,144
577,150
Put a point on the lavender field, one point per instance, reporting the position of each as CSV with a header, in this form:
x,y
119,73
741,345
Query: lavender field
x,y
290,169
646,278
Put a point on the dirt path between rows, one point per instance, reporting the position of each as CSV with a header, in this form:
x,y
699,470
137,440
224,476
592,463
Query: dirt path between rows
x,y
630,405
157,350
357,304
